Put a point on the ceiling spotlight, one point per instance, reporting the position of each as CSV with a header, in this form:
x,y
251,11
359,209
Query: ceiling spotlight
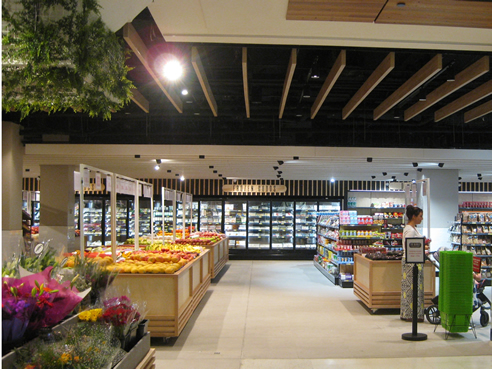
x,y
182,178
415,164
414,181
422,96
393,177
137,156
369,160
440,165
201,156
177,175
480,178
295,158
279,172
278,176
306,92
332,180
224,178
394,180
157,167
373,177
216,171
400,4
384,173
211,166
158,161
479,174
419,169
220,175
459,178
405,174
280,162
275,168
173,70
169,170
184,92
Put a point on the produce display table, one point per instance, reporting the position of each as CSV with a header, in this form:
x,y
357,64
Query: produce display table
x,y
219,256
378,283
171,298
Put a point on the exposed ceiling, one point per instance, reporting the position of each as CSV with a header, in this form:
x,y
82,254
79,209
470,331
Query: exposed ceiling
x,y
239,57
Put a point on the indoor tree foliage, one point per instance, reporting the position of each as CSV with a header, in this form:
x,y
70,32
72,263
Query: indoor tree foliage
x,y
59,55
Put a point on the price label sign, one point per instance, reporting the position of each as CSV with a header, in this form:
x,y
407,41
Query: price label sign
x,y
415,250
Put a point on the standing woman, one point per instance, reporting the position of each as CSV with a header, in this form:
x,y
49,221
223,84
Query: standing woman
x,y
415,217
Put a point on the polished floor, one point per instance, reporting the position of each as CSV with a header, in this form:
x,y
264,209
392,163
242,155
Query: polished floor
x,y
286,314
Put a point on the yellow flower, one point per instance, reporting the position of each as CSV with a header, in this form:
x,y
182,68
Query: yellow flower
x,y
95,314
85,315
65,358
76,359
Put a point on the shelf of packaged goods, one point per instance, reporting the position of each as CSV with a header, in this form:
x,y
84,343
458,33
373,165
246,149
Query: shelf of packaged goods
x,y
374,208
360,225
476,245
362,238
328,226
331,277
392,229
482,256
477,223
327,237
475,234
476,209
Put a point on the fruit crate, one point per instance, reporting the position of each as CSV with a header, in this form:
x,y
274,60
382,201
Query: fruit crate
x,y
219,256
171,298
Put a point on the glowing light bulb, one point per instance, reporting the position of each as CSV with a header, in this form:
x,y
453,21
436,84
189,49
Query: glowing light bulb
x,y
173,70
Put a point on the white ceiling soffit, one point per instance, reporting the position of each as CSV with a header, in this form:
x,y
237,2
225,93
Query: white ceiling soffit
x,y
264,22
257,162
115,13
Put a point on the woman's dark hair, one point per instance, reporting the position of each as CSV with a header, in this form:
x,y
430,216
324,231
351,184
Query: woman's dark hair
x,y
413,211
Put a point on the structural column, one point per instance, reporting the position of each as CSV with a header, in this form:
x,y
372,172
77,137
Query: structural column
x,y
57,203
12,156
444,196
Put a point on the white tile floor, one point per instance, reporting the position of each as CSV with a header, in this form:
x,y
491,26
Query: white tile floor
x,y
286,314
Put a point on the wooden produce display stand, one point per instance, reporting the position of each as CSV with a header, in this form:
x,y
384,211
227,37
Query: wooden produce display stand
x,y
219,256
378,282
171,298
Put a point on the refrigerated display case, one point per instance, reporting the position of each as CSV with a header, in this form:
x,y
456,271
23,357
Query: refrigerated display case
x,y
123,224
283,225
158,216
144,214
259,225
195,210
235,214
210,216
305,227
93,222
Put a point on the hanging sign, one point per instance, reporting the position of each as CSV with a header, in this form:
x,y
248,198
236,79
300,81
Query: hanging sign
x,y
169,195
108,182
244,188
415,250
125,187
86,178
98,182
147,191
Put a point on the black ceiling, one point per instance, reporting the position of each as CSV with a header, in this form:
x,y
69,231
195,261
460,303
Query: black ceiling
x,y
267,67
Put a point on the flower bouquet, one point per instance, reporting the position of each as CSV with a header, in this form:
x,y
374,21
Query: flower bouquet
x,y
36,301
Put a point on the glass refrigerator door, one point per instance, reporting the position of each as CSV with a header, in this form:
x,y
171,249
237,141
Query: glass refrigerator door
x,y
121,222
306,224
179,219
235,223
92,216
259,225
210,216
283,225
168,217
158,218
144,217
195,212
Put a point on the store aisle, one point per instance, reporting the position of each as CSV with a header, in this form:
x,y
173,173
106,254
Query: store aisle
x,y
286,314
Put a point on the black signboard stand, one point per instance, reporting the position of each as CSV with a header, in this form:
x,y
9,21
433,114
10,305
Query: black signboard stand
x,y
414,253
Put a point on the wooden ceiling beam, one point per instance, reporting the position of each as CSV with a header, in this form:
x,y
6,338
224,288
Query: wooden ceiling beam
x,y
414,82
370,84
471,97
140,100
202,77
288,81
133,40
245,80
478,112
330,80
466,76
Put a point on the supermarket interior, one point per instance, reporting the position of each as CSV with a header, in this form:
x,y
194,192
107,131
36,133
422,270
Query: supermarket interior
x,y
256,220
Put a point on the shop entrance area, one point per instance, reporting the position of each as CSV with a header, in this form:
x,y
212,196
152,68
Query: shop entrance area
x,y
286,314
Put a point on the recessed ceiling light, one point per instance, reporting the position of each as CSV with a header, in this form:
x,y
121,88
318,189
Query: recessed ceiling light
x,y
373,177
220,175
384,173
201,156
415,164
28,170
177,174
275,168
157,167
479,174
419,169
279,172
401,4
182,178
137,156
332,180
296,158
216,171
369,160
280,162
184,92
158,161
405,174
169,170
440,165
211,166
